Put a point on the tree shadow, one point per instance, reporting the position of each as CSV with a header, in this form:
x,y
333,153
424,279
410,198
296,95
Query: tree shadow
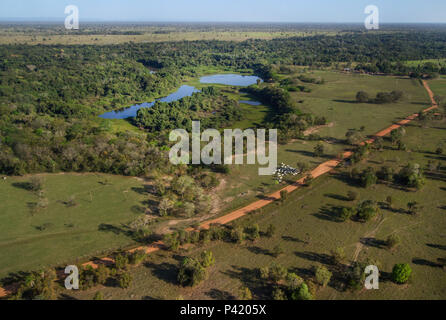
x,y
23,185
315,257
373,242
258,250
348,101
424,262
292,239
329,213
165,271
217,294
336,197
250,279
64,296
436,246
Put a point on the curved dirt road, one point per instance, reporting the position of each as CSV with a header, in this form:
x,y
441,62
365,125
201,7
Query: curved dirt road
x,y
322,169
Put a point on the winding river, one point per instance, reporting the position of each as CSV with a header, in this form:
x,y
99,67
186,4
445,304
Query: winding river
x,y
186,91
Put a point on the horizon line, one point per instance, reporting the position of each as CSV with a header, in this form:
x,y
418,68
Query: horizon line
x,y
53,20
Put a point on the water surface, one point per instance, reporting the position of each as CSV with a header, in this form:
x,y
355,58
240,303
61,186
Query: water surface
x,y
183,91
230,79
186,91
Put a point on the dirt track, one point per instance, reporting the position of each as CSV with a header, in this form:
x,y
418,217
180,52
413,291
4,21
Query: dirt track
x,y
318,171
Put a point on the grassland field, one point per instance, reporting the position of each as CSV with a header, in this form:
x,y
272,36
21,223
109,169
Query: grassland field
x,y
59,233
307,229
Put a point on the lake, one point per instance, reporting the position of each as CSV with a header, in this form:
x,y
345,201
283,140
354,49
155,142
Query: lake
x,y
186,91
230,79
250,102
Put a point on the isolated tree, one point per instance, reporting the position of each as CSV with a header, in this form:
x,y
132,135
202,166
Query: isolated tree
x,y
352,195
191,272
277,251
207,259
322,276
413,207
244,293
124,280
283,195
279,295
362,97
302,293
368,177
319,150
401,273
338,255
392,241
270,230
165,207
389,201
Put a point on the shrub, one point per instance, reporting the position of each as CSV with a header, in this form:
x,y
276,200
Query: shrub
x,y
392,241
338,255
277,251
362,97
401,273
278,294
245,294
322,276
352,195
368,177
191,272
124,280
137,257
98,296
121,261
270,230
207,259
302,293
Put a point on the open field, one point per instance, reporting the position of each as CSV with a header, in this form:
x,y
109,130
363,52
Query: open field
x,y
64,232
307,229
336,101
243,185
107,39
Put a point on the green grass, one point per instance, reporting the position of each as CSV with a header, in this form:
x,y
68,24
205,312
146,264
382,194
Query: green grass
x,y
336,100
71,232
307,231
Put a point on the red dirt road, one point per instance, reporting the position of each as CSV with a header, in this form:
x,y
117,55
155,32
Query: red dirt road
x,y
322,169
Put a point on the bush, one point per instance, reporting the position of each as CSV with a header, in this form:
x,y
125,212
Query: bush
x,y
401,273
244,294
392,241
121,261
137,257
270,230
124,280
283,195
368,177
367,210
322,276
279,295
302,293
191,272
207,259
98,296
338,255
362,97
277,251
352,195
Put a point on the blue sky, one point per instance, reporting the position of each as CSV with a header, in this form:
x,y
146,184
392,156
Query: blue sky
x,y
404,11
